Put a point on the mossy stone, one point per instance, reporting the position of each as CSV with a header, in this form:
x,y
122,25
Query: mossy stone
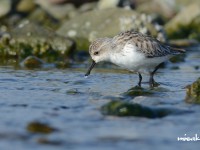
x,y
37,127
138,91
193,92
123,109
32,62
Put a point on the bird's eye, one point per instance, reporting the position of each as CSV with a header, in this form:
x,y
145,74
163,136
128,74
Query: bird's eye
x,y
96,53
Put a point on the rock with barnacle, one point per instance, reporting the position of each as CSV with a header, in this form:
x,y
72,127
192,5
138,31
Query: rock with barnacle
x,y
32,39
98,23
193,92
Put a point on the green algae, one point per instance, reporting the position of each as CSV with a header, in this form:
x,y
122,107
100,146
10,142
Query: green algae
x,y
37,127
193,92
123,109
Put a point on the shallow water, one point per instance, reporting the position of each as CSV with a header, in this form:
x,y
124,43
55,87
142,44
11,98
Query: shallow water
x,y
65,100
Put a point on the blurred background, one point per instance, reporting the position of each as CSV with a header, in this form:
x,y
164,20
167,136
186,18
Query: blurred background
x,y
47,104
59,31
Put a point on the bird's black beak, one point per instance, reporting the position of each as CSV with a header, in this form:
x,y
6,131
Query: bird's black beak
x,y
91,67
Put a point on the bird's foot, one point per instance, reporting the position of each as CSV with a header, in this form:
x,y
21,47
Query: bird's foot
x,y
139,85
153,84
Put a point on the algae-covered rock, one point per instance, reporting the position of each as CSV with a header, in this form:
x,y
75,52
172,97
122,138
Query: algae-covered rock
x,y
32,62
193,92
178,58
38,127
40,16
31,39
138,91
100,23
185,24
118,108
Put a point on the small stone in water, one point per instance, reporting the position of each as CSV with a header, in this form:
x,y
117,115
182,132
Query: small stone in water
x,y
37,127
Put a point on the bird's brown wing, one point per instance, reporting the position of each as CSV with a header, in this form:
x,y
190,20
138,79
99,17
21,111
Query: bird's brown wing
x,y
147,45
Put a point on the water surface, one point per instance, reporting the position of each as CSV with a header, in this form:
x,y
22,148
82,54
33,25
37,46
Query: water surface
x,y
66,101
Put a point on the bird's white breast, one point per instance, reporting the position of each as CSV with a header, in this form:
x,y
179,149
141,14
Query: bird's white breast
x,y
130,58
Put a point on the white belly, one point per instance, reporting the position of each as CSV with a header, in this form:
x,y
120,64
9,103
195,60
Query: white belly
x,y
133,60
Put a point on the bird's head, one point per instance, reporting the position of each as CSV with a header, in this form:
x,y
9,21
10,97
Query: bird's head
x,y
99,51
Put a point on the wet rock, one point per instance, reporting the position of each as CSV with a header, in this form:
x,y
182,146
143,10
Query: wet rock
x,y
57,11
184,3
62,64
98,23
193,92
122,109
57,1
25,6
37,127
165,8
77,3
31,39
32,62
185,24
73,92
178,58
138,91
49,142
40,16
5,7
105,4
87,7
175,68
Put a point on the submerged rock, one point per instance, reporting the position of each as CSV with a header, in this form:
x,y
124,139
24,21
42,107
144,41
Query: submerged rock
x,y
119,108
178,58
49,141
100,23
38,127
193,92
138,91
185,24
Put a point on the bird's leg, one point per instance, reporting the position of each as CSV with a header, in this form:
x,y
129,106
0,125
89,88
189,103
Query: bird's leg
x,y
140,79
152,82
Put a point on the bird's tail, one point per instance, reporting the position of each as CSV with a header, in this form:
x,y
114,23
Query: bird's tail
x,y
179,50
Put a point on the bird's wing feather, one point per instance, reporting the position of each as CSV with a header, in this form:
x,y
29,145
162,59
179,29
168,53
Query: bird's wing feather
x,y
147,45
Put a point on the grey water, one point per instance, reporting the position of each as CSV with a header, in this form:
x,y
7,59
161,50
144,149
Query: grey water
x,y
65,100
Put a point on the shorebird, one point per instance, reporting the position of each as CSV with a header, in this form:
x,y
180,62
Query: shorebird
x,y
133,51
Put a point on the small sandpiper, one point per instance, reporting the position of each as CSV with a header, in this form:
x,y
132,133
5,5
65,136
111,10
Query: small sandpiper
x,y
133,51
